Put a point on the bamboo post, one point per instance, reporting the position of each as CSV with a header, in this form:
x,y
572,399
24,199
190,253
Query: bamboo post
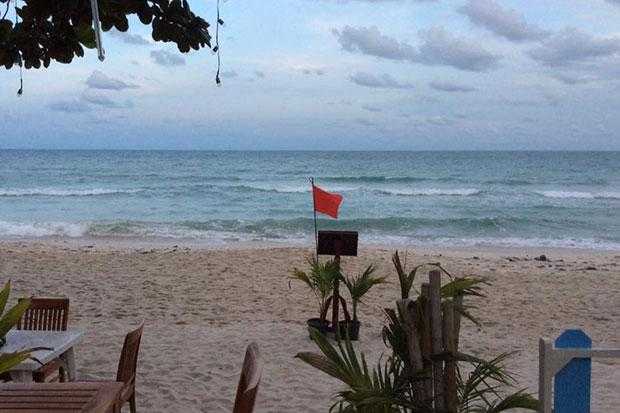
x,y
448,331
407,309
425,341
458,307
436,340
336,302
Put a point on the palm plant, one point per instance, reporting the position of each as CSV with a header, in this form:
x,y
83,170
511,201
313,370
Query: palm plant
x,y
396,384
360,285
7,321
320,280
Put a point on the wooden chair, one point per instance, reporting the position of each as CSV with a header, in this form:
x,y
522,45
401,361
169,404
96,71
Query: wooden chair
x,y
127,366
249,381
47,314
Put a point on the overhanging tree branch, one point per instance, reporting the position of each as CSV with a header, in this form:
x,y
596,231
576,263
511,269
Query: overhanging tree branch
x,y
60,30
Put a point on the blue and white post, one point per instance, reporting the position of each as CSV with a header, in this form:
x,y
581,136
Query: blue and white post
x,y
567,366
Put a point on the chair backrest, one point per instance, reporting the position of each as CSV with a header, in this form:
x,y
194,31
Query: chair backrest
x,y
249,380
128,362
50,314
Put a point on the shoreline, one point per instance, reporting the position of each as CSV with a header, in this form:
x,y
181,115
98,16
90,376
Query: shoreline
x,y
137,243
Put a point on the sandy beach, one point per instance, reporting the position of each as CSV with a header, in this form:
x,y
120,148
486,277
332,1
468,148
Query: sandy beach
x,y
202,306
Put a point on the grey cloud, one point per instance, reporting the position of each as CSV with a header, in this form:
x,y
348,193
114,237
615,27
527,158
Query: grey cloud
x,y
384,81
310,71
574,79
229,74
507,23
99,80
382,1
370,108
166,58
439,121
438,48
100,100
450,87
571,46
129,38
369,41
365,122
259,74
69,106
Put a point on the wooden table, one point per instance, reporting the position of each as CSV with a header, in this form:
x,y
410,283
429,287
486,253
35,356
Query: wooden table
x,y
95,397
61,342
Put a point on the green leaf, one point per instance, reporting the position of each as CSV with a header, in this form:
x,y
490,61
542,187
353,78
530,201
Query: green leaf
x,y
4,296
10,360
10,319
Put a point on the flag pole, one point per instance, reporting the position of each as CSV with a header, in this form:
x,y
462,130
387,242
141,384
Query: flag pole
x,y
316,232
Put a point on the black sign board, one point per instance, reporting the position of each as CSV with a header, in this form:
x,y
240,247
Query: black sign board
x,y
342,243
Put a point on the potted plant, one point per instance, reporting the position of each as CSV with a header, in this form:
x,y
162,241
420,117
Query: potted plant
x,y
358,287
320,279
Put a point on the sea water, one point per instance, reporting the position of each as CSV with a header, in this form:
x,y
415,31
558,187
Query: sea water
x,y
558,199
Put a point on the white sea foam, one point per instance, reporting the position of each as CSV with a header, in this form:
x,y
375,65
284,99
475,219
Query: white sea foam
x,y
514,242
431,192
292,189
64,192
42,229
579,194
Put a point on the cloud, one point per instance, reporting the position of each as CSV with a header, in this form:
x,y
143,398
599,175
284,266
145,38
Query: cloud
x,y
313,71
614,2
381,1
369,41
166,58
438,48
384,81
507,23
371,108
259,74
229,74
439,121
69,106
573,46
365,122
99,80
450,87
98,99
129,38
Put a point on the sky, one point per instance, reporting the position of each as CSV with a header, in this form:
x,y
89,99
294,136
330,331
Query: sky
x,y
340,75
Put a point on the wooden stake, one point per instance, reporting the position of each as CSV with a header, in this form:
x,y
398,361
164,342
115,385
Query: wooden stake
x,y
450,395
407,309
458,307
436,339
336,301
425,340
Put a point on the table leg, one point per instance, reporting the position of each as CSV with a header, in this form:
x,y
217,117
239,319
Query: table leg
x,y
21,376
69,358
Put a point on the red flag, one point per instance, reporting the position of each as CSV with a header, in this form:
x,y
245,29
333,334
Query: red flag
x,y
326,202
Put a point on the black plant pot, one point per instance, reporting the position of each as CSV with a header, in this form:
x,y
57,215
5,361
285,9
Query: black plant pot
x,y
317,323
351,327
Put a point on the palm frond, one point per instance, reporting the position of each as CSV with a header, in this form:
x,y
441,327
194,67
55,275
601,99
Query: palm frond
x,y
518,400
11,317
464,286
4,296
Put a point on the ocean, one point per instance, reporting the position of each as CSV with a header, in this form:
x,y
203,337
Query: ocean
x,y
512,199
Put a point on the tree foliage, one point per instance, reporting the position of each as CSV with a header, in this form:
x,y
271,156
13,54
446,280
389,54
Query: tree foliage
x,y
49,30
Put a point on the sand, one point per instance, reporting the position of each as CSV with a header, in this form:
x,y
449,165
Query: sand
x,y
201,307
